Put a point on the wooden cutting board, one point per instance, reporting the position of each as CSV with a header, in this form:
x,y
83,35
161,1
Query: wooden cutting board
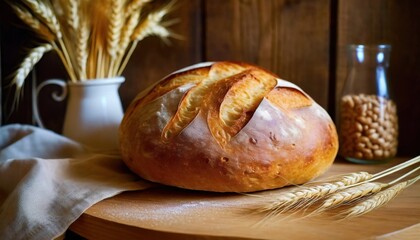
x,y
170,213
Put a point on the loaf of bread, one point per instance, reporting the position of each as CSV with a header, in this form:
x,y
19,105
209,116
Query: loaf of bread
x,y
227,127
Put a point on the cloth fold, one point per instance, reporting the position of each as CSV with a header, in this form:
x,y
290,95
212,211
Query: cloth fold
x,y
47,181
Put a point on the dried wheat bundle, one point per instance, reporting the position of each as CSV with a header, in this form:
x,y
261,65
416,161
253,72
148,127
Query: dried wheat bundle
x,y
354,194
94,39
302,196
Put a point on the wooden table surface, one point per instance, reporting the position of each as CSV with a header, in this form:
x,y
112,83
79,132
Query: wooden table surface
x,y
169,213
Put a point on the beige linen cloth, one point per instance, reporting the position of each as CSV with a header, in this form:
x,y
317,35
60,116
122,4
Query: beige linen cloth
x,y
47,181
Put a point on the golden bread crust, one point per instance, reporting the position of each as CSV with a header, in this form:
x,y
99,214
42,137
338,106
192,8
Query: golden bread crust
x,y
227,127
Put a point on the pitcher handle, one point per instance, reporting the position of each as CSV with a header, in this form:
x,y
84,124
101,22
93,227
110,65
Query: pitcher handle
x,y
55,95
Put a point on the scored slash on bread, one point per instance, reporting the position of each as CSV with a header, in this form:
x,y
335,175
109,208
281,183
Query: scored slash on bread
x,y
227,126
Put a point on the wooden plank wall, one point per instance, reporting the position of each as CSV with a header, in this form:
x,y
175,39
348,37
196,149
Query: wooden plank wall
x,y
302,41
273,34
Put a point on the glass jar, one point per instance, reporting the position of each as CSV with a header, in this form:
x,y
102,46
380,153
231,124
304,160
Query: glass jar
x,y
368,121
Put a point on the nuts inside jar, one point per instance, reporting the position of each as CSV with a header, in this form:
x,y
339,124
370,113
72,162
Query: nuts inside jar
x,y
368,127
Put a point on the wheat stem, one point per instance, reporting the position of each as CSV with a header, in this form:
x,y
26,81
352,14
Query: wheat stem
x,y
63,59
127,57
395,168
67,60
99,64
127,31
95,44
404,176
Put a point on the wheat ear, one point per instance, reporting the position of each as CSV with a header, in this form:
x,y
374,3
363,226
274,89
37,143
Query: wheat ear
x,y
103,48
152,25
350,194
347,190
355,193
116,23
26,67
83,33
306,195
134,6
44,12
127,31
377,200
46,15
72,12
33,23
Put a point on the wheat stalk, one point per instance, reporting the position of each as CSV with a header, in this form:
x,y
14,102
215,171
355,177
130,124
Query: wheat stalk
x,y
305,196
46,15
340,191
152,25
34,23
126,33
377,200
44,12
356,193
26,67
396,168
98,38
350,194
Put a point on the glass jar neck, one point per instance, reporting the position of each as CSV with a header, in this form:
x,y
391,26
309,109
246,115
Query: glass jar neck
x,y
367,70
369,55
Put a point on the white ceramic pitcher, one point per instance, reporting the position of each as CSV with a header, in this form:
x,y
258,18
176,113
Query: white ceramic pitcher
x,y
94,111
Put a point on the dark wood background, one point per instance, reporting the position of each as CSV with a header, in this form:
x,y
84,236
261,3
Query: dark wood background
x,y
303,41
